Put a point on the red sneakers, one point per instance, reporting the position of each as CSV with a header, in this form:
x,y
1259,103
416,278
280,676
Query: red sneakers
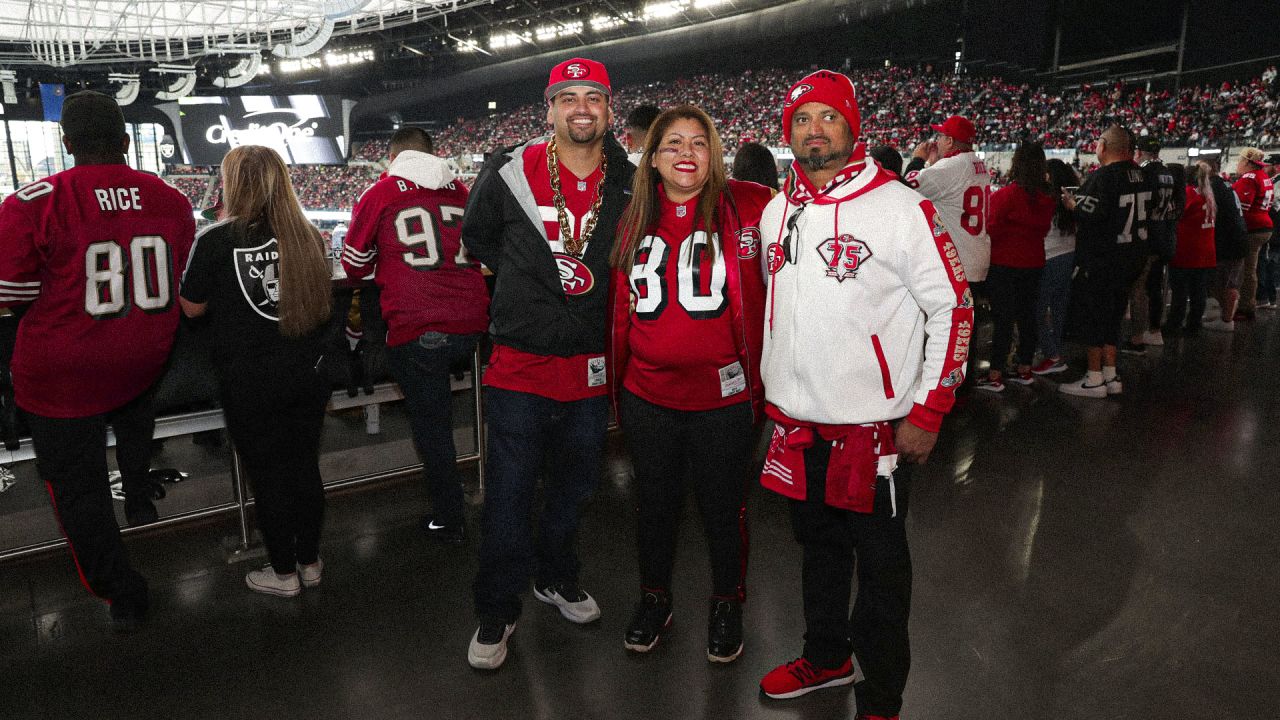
x,y
800,677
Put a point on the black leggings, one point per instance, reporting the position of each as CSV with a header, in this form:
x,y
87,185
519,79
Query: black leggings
x,y
275,412
710,450
1014,293
1189,286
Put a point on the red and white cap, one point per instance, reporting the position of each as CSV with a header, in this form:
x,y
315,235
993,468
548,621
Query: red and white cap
x,y
827,87
575,72
958,128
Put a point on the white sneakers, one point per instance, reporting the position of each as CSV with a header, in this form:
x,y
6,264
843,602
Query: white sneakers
x,y
267,581
574,603
310,574
1153,337
488,649
1082,388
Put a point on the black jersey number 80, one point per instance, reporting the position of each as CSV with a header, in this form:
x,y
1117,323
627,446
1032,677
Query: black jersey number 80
x,y
648,278
111,279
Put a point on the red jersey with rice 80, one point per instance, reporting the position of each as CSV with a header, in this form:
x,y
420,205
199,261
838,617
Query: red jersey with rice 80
x,y
564,379
97,251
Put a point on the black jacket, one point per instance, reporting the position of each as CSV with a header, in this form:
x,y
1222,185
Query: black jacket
x,y
1229,239
502,228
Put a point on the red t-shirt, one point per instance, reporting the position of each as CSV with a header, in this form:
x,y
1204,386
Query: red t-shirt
x,y
560,378
683,354
409,238
1255,191
1195,247
98,251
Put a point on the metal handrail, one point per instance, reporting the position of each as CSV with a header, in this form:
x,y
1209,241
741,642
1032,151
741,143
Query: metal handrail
x,y
189,423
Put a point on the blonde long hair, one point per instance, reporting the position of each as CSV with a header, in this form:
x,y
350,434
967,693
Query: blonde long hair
x,y
1203,175
257,192
646,205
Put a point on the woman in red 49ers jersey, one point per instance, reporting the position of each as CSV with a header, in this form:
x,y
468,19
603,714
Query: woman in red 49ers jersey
x,y
687,318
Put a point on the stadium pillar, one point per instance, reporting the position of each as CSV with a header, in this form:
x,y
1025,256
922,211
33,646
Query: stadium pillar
x,y
13,161
1182,43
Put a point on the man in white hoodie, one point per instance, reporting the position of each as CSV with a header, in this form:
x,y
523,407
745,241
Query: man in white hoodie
x,y
406,235
868,323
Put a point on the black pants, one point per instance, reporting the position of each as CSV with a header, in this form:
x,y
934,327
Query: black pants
x,y
71,457
1014,293
709,450
876,631
275,411
1188,285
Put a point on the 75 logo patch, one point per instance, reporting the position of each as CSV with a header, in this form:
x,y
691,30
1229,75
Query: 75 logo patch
x,y
843,255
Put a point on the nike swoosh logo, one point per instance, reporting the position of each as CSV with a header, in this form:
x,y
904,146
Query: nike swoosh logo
x,y
433,526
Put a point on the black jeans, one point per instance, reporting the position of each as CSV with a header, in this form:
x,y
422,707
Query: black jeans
x,y
876,631
1014,294
1188,285
71,457
709,450
275,411
1155,292
421,368
530,438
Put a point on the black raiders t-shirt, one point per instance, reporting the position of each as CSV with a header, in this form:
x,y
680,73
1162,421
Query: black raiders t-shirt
x,y
237,272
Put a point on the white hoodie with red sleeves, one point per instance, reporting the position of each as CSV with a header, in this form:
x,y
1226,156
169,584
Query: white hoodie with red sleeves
x,y
869,315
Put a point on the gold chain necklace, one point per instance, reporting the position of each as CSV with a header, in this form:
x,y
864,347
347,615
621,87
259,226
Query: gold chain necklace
x,y
571,246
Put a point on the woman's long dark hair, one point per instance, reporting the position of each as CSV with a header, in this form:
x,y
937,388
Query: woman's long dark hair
x,y
1061,175
257,192
646,206
1028,170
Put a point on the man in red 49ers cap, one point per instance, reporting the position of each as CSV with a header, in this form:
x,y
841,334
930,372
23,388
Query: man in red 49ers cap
x,y
868,320
542,216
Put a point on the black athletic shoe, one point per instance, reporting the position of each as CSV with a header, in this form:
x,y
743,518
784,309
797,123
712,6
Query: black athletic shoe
x,y
139,510
724,631
447,533
652,616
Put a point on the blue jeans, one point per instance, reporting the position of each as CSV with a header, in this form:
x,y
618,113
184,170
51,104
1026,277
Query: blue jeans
x,y
533,437
1051,310
421,367
1268,273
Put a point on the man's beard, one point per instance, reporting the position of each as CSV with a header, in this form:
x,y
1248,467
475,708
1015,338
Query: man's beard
x,y
583,136
818,160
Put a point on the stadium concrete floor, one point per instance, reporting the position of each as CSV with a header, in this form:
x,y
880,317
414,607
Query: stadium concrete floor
x,y
1073,559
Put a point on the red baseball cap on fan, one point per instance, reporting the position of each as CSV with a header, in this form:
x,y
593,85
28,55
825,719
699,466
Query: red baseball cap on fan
x,y
577,71
957,128
827,87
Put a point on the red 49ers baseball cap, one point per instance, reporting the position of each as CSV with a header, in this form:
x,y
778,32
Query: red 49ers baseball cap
x,y
577,71
958,128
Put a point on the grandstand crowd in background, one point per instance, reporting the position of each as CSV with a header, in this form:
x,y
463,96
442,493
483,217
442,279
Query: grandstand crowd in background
x,y
899,103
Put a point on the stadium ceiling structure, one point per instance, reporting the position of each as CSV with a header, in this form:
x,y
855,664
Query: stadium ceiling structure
x,y
63,33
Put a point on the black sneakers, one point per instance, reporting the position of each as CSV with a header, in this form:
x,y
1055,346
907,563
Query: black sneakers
x,y
447,533
724,631
652,616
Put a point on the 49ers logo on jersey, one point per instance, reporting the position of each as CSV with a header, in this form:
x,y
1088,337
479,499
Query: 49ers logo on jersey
x,y
575,277
576,70
748,243
844,255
